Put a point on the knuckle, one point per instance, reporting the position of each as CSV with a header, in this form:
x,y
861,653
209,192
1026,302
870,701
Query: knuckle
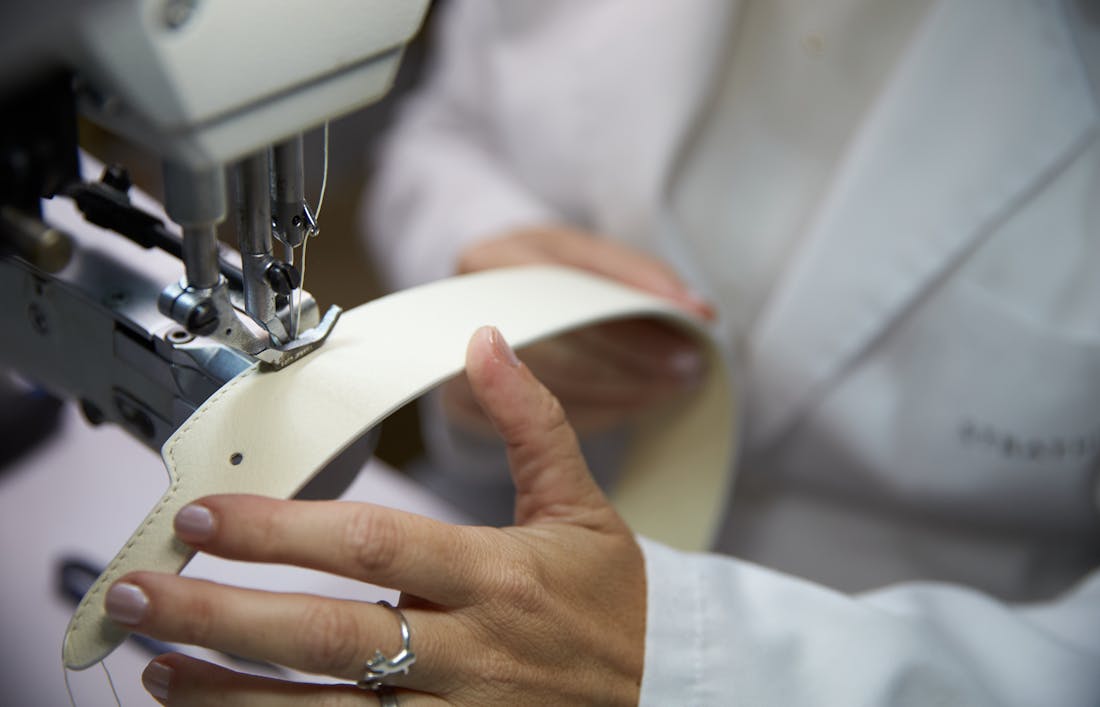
x,y
554,413
521,590
329,639
556,420
372,541
265,532
500,670
199,621
549,421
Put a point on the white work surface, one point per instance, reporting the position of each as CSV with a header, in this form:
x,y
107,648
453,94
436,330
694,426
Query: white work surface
x,y
81,494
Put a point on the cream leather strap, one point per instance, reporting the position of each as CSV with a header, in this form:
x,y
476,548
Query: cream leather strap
x,y
270,432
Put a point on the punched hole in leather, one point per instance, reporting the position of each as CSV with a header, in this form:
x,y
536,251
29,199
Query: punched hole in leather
x,y
388,352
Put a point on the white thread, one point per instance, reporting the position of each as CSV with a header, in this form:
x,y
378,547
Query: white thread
x,y
68,687
316,218
324,176
111,682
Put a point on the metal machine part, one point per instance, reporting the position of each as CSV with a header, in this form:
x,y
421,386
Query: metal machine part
x,y
195,199
268,316
255,233
44,247
292,218
92,332
141,330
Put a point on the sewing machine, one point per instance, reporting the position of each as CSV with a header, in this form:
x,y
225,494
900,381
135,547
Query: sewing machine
x,y
137,317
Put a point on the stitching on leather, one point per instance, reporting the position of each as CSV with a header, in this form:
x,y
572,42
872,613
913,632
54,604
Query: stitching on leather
x,y
657,308
109,573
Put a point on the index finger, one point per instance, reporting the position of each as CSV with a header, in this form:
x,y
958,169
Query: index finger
x,y
375,544
628,265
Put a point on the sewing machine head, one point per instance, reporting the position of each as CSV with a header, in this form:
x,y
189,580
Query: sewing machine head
x,y
221,91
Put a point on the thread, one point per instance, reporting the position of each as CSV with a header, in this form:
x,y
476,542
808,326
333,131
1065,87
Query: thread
x,y
302,288
324,175
68,687
316,219
110,681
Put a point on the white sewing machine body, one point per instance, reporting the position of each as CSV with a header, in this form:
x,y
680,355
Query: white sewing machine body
x,y
206,83
222,92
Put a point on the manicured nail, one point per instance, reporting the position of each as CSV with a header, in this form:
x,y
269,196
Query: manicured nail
x,y
194,523
503,349
126,603
156,679
701,304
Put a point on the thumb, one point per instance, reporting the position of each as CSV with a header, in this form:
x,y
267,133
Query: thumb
x,y
552,479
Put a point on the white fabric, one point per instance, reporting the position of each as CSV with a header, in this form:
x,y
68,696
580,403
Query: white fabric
x,y
923,380
734,633
238,442
758,161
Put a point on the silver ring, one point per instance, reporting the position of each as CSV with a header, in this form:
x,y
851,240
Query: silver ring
x,y
380,667
386,697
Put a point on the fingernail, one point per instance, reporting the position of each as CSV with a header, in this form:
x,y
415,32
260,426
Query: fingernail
x,y
503,349
194,523
126,603
701,304
156,679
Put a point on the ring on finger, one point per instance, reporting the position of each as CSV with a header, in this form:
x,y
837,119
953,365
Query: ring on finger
x,y
386,696
378,668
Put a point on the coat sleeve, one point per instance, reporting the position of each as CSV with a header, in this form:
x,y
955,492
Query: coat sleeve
x,y
441,182
722,631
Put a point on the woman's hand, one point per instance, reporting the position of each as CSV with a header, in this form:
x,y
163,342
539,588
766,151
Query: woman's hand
x,y
551,611
604,374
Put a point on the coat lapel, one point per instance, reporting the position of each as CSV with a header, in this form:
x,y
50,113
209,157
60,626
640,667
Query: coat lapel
x,y
987,104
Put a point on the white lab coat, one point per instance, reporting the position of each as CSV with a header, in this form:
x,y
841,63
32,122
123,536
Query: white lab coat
x,y
917,518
